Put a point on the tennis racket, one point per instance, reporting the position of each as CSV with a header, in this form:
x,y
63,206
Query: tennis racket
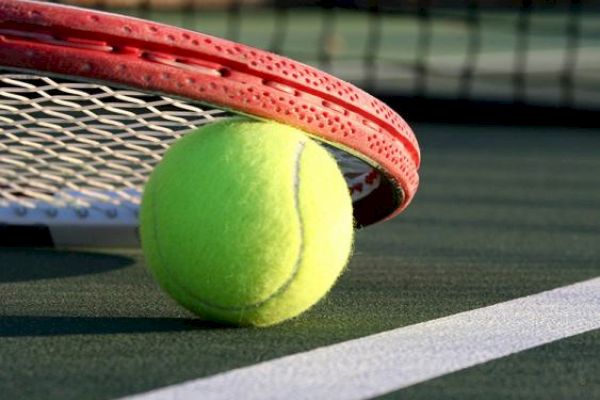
x,y
90,101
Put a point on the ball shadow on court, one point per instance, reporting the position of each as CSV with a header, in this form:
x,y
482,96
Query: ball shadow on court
x,y
21,326
27,264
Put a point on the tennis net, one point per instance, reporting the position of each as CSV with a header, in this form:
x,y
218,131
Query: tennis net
x,y
495,60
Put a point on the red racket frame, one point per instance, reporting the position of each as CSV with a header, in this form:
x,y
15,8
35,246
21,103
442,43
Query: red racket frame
x,y
99,46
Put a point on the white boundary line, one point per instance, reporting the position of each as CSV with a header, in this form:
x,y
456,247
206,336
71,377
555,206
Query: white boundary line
x,y
389,361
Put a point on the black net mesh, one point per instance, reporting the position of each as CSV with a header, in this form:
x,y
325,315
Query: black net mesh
x,y
523,61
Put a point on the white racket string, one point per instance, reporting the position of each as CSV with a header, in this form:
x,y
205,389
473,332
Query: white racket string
x,y
90,147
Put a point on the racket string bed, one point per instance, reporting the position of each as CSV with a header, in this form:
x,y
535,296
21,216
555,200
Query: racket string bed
x,y
86,149
76,144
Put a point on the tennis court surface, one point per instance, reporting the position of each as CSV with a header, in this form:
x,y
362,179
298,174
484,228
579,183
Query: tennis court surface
x,y
487,286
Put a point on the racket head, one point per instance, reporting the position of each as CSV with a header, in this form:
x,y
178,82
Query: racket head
x,y
64,47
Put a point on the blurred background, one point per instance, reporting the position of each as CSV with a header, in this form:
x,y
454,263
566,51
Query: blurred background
x,y
473,61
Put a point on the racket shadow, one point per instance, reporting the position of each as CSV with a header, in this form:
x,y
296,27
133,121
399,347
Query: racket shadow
x,y
38,326
27,264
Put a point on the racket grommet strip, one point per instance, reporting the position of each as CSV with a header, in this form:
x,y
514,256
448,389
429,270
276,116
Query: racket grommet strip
x,y
51,212
21,211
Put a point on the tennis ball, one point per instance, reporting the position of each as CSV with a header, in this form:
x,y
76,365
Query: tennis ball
x,y
246,222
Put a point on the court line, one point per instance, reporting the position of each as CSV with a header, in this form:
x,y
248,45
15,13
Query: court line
x,y
389,361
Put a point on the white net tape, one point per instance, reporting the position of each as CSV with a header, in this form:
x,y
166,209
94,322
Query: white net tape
x,y
65,143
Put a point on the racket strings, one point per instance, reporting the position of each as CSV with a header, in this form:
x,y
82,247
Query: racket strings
x,y
66,143
76,143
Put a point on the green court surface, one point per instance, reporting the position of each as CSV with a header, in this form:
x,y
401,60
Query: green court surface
x,y
502,212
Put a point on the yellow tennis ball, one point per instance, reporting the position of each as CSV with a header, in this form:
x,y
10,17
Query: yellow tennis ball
x,y
246,222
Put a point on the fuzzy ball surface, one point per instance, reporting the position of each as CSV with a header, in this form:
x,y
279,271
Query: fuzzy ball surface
x,y
246,222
